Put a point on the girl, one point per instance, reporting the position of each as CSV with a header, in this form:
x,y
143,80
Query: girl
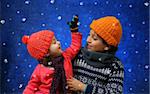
x,y
96,69
49,77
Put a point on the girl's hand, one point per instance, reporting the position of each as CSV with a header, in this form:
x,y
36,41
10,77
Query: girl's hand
x,y
75,85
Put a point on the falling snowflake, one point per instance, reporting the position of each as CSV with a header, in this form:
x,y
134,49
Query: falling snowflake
x,y
18,11
124,52
27,2
4,43
130,6
24,75
10,19
129,24
5,61
16,67
143,22
59,17
146,41
107,2
20,86
118,14
2,21
81,3
136,52
42,14
129,70
145,79
130,89
146,66
146,4
24,19
120,5
43,25
8,80
132,35
30,66
95,3
12,33
19,44
7,5
52,1
18,55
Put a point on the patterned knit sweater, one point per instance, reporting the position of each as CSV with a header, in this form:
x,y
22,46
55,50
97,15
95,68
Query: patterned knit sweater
x,y
102,72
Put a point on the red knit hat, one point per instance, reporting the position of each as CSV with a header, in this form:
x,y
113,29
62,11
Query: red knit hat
x,y
38,43
108,28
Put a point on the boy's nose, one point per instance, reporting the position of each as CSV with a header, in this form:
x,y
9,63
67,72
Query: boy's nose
x,y
88,40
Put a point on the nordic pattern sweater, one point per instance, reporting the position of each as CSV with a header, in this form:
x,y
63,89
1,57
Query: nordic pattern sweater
x,y
103,73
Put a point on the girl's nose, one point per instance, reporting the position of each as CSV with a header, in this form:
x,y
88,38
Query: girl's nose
x,y
58,42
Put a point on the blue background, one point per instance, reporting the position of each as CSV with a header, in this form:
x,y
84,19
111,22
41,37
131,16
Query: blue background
x,y
20,17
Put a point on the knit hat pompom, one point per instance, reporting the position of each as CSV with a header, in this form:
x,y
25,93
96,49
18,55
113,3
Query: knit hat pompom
x,y
25,39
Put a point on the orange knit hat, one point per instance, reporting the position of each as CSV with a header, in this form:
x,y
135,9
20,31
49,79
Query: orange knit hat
x,y
38,43
108,28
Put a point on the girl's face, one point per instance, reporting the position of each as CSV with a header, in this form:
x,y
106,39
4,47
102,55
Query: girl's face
x,y
95,43
55,48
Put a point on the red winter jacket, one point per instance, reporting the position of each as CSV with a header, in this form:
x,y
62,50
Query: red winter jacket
x,y
41,78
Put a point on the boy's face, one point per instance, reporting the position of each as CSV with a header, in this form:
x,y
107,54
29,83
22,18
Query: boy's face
x,y
95,43
55,48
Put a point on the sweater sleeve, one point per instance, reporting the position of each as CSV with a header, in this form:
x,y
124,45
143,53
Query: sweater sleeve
x,y
113,86
75,45
34,82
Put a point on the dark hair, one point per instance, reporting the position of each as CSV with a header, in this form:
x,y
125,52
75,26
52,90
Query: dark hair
x,y
112,49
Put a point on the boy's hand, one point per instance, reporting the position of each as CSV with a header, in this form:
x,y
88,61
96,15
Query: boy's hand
x,y
74,24
75,85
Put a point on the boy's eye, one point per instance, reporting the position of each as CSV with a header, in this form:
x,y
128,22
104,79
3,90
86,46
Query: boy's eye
x,y
95,38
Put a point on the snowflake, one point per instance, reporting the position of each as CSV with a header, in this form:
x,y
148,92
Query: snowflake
x,y
107,2
12,33
132,35
2,21
81,3
20,86
118,14
18,11
24,19
146,41
124,52
18,55
95,3
8,80
59,17
16,67
130,6
120,5
30,66
7,5
19,44
4,44
146,66
129,24
43,25
42,14
5,61
130,89
27,2
52,1
10,19
146,4
129,70
143,22
136,52
24,75
145,79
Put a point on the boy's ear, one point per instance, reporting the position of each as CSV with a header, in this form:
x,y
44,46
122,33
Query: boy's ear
x,y
106,48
